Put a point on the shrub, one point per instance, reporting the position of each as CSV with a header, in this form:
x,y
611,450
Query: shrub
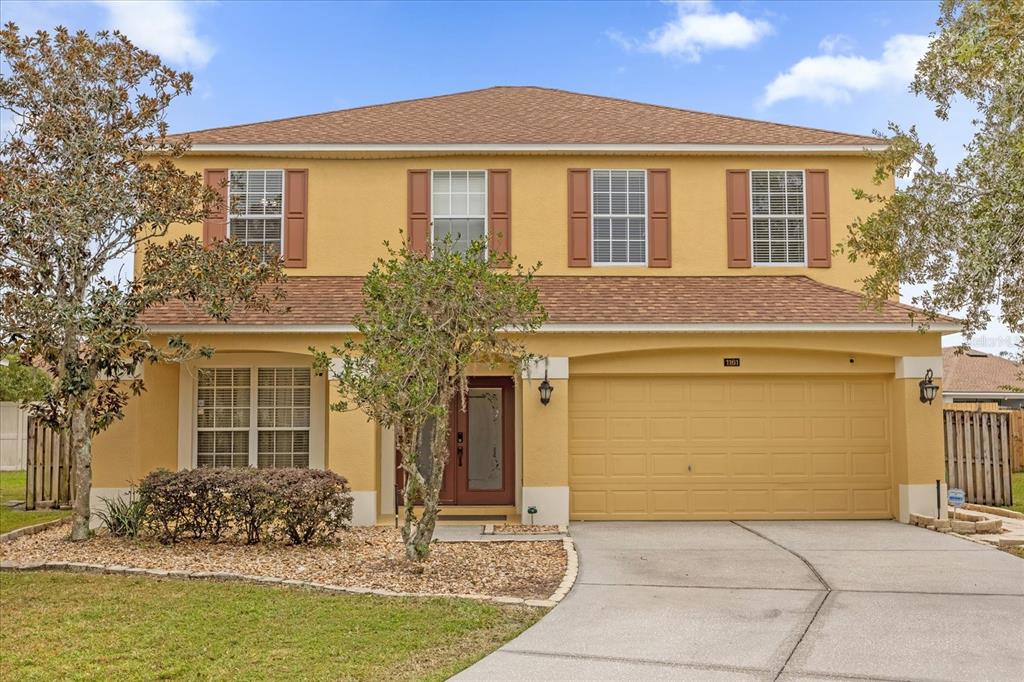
x,y
302,505
166,497
253,503
314,505
123,515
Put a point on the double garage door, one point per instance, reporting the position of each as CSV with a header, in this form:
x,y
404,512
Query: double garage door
x,y
689,447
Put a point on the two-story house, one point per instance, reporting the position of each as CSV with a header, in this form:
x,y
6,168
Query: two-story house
x,y
710,356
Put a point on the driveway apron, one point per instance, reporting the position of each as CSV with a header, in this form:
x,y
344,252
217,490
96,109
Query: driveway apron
x,y
767,600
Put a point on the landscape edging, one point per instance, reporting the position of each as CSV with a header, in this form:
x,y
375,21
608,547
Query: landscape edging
x,y
571,570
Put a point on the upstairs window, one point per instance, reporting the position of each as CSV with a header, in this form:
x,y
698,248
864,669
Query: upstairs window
x,y
256,209
778,227
619,217
458,207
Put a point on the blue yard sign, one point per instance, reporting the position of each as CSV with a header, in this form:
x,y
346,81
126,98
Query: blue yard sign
x,y
957,497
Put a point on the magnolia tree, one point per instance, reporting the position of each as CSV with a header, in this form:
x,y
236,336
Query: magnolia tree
x,y
425,321
87,177
959,230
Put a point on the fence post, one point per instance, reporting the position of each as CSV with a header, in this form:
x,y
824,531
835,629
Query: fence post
x,y
30,466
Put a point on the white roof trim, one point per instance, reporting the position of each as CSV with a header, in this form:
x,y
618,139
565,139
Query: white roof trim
x,y
481,147
555,328
984,394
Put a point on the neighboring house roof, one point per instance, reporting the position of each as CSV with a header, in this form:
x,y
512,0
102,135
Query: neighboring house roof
x,y
975,372
520,115
601,300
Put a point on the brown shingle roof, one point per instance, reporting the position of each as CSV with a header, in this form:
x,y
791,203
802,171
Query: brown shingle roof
x,y
602,300
520,115
977,372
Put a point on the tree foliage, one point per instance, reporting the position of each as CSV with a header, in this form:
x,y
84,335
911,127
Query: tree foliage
x,y
20,383
88,177
426,321
959,230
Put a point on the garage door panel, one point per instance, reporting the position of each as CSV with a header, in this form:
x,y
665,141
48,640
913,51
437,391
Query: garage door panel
x,y
699,447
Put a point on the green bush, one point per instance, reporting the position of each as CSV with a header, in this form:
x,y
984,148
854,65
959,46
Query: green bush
x,y
300,505
314,505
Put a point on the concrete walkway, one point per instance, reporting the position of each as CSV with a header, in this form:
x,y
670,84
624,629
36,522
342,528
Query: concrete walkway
x,y
790,600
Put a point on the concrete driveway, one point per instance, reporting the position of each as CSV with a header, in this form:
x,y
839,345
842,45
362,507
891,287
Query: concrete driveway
x,y
790,600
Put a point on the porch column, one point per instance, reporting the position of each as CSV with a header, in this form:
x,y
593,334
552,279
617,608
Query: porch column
x,y
352,452
918,444
546,444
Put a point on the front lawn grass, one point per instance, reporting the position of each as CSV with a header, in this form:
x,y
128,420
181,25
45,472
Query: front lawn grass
x,y
1018,493
12,487
74,626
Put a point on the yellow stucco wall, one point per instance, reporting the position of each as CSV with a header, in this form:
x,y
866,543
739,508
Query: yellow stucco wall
x,y
355,204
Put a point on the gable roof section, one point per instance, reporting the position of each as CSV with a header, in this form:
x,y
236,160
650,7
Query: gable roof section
x,y
520,116
598,301
977,372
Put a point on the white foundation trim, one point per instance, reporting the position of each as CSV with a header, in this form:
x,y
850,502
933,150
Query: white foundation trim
x,y
387,471
915,366
96,502
552,503
534,148
364,507
919,498
557,367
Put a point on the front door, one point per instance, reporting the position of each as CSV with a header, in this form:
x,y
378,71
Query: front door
x,y
481,445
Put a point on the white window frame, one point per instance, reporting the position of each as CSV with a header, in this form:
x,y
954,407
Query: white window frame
x,y
188,397
647,222
485,216
787,216
249,216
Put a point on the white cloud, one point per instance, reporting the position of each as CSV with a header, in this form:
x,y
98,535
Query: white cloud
x,y
832,78
164,27
836,43
696,28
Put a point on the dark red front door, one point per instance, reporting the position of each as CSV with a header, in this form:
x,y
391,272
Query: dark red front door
x,y
481,445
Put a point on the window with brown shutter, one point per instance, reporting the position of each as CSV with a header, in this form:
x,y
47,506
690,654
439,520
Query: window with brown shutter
x,y
579,218
737,199
659,221
499,215
295,218
419,211
819,239
215,224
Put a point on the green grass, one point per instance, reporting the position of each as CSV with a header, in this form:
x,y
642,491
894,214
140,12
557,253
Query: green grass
x,y
1018,493
12,487
82,627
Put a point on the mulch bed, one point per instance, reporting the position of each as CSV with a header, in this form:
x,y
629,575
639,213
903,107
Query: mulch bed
x,y
522,529
362,557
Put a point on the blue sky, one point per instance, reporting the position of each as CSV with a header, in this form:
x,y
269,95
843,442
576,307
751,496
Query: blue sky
x,y
837,65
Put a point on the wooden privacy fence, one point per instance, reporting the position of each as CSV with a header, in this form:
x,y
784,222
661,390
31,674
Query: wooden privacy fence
x,y
978,455
49,480
1017,440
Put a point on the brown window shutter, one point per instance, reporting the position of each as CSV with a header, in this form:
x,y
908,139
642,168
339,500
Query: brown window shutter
x,y
419,211
737,199
579,218
215,224
819,239
659,219
296,202
499,216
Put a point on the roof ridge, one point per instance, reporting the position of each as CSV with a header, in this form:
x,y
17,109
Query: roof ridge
x,y
745,119
527,87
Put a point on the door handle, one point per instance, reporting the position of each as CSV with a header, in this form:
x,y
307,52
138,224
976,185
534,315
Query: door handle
x,y
458,456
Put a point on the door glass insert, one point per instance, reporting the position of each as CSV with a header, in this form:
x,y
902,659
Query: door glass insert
x,y
486,467
424,462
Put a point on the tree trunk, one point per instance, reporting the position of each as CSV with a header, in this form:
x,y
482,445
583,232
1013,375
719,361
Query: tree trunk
x,y
81,453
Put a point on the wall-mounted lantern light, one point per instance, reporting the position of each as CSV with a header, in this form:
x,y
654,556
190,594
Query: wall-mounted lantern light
x,y
929,389
545,389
